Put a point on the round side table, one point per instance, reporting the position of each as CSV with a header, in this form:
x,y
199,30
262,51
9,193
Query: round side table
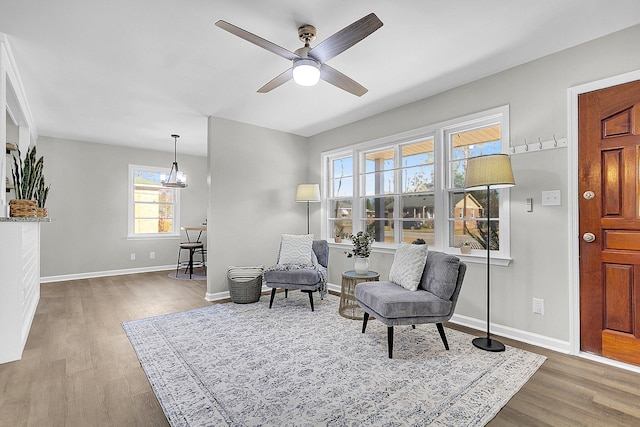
x,y
349,308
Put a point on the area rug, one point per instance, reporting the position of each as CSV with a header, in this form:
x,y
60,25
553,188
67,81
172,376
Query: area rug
x,y
185,276
247,365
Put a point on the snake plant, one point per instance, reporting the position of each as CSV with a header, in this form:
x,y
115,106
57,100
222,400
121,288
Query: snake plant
x,y
27,175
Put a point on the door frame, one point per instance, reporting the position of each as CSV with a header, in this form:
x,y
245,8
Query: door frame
x,y
574,235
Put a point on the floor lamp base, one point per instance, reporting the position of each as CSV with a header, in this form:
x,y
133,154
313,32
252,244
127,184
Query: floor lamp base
x,y
488,344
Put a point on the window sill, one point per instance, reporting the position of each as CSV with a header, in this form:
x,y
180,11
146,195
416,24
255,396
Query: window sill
x,y
152,237
482,259
479,258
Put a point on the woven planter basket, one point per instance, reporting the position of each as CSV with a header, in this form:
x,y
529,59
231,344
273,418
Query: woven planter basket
x,y
20,208
244,291
42,212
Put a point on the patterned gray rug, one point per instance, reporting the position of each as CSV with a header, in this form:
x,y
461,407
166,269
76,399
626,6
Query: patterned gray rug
x,y
185,276
246,365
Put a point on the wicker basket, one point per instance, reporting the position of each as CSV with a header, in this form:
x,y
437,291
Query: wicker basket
x,y
21,208
244,291
42,212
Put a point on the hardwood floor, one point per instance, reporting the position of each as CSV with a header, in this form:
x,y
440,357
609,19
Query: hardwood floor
x,y
79,369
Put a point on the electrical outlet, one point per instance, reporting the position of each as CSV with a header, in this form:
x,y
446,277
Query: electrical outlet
x,y
538,306
133,257
152,255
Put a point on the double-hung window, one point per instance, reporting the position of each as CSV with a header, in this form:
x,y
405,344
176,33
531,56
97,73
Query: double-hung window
x,y
467,210
340,201
411,186
154,210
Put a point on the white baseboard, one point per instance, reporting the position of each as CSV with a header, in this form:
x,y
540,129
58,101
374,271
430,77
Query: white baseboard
x,y
516,334
93,274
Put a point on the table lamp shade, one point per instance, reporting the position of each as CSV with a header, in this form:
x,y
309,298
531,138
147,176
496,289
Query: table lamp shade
x,y
308,193
493,171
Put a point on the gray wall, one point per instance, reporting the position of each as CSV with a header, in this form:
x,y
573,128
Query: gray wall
x,y
88,207
254,172
537,95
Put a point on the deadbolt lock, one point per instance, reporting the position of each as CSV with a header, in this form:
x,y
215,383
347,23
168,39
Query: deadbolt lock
x,y
588,237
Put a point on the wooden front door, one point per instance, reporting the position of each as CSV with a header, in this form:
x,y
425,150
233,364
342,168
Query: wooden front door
x,y
609,214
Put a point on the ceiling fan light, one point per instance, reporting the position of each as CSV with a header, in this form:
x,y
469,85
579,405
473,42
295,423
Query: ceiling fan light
x,y
306,72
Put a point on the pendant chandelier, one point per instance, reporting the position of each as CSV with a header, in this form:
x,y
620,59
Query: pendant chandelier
x,y
176,179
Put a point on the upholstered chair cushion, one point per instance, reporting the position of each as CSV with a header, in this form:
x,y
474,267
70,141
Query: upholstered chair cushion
x,y
302,276
392,301
441,274
408,265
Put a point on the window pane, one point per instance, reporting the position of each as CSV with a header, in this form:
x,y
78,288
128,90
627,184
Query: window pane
x,y
380,229
418,179
378,207
474,232
379,183
341,227
379,160
467,144
153,225
152,210
342,167
473,204
342,187
142,177
418,206
340,208
420,153
148,194
424,232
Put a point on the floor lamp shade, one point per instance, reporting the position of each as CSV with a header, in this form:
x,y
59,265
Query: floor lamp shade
x,y
493,171
308,193
485,173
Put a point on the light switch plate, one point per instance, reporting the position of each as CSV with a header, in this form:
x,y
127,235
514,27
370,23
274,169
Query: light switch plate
x,y
551,198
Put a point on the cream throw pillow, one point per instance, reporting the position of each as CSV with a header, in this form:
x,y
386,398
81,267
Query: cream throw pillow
x,y
408,265
296,249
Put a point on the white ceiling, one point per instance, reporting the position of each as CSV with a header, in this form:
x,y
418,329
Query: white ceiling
x,y
133,72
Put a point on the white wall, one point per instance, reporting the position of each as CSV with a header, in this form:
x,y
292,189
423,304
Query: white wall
x,y
88,207
254,172
536,93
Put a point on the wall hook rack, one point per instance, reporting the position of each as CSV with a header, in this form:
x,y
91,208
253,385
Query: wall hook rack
x,y
541,145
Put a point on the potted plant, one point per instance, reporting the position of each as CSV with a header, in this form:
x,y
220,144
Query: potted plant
x,y
465,248
26,179
362,243
339,233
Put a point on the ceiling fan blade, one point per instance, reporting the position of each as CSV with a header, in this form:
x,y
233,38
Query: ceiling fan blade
x,y
281,79
257,40
336,78
345,38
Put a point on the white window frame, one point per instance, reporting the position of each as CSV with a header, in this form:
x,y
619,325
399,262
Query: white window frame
x,y
131,235
438,132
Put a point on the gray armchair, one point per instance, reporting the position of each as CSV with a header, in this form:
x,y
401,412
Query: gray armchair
x,y
306,280
433,302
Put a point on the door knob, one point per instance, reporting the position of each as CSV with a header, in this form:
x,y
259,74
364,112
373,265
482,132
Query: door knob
x,y
588,195
588,237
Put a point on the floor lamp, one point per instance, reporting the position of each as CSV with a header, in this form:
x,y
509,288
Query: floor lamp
x,y
308,193
489,172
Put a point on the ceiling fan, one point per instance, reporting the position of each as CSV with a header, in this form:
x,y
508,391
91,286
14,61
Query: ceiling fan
x,y
309,63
